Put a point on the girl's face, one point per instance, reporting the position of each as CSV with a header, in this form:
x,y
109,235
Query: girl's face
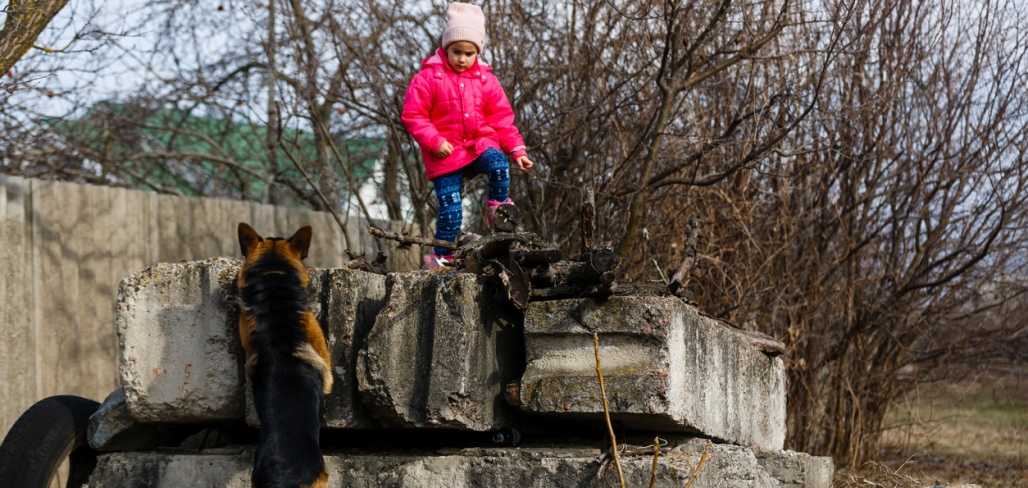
x,y
461,55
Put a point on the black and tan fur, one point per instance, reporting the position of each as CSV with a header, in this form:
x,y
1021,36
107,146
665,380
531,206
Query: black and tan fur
x,y
286,359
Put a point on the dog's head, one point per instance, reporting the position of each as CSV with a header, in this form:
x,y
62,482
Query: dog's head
x,y
291,251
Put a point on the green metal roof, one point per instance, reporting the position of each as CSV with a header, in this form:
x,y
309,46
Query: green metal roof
x,y
117,132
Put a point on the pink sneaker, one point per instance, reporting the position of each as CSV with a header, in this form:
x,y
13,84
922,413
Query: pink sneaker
x,y
433,261
490,209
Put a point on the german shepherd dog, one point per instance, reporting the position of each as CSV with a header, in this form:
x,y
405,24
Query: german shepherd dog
x,y
286,359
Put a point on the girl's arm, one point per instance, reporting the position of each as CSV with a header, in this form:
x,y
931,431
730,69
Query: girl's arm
x,y
500,116
416,106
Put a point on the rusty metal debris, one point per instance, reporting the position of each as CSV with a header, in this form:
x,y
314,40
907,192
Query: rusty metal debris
x,y
525,266
362,263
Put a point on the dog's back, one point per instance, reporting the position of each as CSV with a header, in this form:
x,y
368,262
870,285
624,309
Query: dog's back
x,y
287,360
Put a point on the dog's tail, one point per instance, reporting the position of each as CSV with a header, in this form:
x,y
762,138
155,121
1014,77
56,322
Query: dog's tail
x,y
287,395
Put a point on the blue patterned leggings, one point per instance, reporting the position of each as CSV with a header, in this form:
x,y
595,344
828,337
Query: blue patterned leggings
x,y
448,188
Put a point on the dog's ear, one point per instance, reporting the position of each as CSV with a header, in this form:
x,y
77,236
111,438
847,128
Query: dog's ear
x,y
301,240
247,238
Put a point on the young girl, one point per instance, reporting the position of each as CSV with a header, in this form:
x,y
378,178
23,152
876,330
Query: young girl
x,y
457,112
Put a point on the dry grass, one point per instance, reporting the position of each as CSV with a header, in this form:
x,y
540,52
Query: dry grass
x,y
875,475
975,432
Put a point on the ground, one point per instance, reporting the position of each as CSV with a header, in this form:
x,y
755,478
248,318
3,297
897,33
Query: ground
x,y
971,432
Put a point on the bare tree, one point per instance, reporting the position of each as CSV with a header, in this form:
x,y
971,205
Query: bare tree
x,y
866,243
25,20
856,167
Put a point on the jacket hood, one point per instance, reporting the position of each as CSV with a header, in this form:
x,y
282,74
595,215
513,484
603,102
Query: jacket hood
x,y
439,58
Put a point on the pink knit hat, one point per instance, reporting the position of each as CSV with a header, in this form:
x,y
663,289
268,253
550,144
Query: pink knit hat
x,y
464,22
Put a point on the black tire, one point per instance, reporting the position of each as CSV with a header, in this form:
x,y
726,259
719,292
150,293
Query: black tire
x,y
43,437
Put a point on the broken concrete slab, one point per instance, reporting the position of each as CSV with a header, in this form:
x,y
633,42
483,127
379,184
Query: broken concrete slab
x,y
725,466
350,302
798,469
221,468
179,346
666,368
180,356
440,354
112,428
111,419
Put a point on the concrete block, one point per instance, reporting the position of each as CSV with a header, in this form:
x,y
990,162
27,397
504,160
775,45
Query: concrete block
x,y
112,428
726,467
440,354
798,469
109,421
666,368
166,470
179,347
181,360
350,302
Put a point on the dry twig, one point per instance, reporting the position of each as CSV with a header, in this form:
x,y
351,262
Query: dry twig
x,y
404,239
21,85
656,455
321,196
703,459
606,411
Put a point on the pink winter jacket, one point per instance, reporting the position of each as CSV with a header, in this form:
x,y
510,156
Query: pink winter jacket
x,y
468,109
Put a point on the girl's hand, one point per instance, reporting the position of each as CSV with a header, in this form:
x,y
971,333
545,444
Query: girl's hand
x,y
524,163
444,150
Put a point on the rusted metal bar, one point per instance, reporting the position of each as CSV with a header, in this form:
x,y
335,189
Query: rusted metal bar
x,y
570,272
541,257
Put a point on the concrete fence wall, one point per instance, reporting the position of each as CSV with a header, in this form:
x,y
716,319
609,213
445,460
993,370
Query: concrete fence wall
x,y
65,247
